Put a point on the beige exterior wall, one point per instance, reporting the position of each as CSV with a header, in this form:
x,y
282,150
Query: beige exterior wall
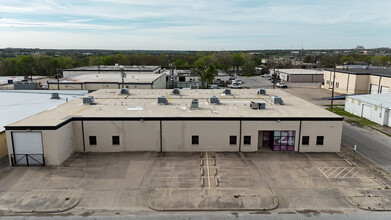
x,y
3,145
65,86
331,130
59,144
213,135
134,135
354,84
251,128
160,83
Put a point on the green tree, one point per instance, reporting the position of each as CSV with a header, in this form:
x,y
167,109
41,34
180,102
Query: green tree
x,y
25,65
380,60
238,61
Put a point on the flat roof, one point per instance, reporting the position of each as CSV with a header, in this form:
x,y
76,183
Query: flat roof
x,y
386,72
115,68
16,105
382,99
301,71
111,78
142,104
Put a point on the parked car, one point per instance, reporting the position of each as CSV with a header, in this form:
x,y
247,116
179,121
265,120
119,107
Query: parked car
x,y
235,86
232,77
265,75
228,82
281,85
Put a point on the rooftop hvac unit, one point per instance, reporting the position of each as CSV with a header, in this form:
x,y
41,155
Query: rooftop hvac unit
x,y
261,91
194,104
88,100
214,100
125,91
277,100
162,100
176,91
55,96
257,105
227,91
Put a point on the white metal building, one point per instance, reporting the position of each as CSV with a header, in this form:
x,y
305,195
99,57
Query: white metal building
x,y
102,69
163,121
299,75
375,107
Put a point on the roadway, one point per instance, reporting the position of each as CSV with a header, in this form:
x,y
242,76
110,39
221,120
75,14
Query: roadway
x,y
373,145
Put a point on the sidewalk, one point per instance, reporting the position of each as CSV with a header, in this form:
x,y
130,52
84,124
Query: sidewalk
x,y
4,162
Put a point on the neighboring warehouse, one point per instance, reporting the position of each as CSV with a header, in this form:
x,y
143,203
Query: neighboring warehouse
x,y
299,75
110,81
375,107
174,121
116,69
17,105
364,80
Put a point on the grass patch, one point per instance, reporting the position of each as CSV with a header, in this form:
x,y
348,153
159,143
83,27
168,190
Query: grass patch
x,y
350,118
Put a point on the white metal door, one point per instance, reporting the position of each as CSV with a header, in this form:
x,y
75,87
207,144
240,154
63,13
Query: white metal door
x,y
385,89
374,89
27,148
366,111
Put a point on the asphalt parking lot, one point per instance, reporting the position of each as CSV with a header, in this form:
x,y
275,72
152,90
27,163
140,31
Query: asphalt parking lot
x,y
147,182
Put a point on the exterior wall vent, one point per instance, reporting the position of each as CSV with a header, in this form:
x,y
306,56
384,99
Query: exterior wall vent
x,y
55,96
277,100
176,91
162,100
257,105
89,100
261,91
214,100
227,91
124,91
194,104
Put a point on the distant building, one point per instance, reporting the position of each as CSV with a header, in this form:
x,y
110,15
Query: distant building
x,y
375,107
174,121
102,69
353,80
299,75
95,81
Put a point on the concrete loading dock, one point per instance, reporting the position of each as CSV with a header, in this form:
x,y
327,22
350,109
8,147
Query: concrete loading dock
x,y
136,122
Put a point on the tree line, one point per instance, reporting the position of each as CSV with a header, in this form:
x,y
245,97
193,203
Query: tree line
x,y
199,62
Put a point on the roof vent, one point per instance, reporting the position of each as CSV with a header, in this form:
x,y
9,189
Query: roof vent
x,y
89,100
194,104
124,91
162,100
176,91
227,91
214,100
261,91
257,105
55,96
277,100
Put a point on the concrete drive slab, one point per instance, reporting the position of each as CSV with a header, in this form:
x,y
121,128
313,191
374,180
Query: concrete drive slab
x,y
180,199
369,199
38,201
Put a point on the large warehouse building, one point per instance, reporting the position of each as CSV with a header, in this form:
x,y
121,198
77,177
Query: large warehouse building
x,y
299,75
115,69
364,80
375,107
110,81
174,121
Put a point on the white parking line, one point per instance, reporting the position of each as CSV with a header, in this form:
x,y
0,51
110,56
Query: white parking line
x,y
348,172
207,167
340,172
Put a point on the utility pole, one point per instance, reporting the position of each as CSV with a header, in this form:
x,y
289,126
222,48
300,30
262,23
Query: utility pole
x,y
332,92
58,79
122,75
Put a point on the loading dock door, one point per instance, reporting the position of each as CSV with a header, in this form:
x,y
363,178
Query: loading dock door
x,y
385,89
374,89
27,148
366,111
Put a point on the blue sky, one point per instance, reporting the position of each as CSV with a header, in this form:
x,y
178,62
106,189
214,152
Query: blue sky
x,y
195,25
